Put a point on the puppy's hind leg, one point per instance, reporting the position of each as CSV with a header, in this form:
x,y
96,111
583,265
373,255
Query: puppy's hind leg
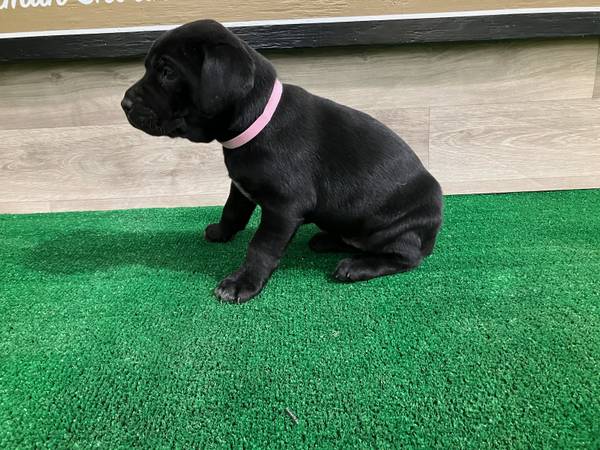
x,y
406,255
324,242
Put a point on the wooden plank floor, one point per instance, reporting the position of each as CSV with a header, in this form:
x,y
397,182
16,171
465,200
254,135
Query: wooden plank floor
x,y
484,117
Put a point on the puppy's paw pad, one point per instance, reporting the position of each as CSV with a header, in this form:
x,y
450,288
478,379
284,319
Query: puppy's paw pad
x,y
215,233
237,288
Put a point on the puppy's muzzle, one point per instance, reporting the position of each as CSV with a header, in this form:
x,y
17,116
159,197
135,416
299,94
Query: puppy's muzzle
x,y
139,115
134,107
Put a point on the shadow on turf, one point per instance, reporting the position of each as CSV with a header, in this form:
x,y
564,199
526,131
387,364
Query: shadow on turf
x,y
87,251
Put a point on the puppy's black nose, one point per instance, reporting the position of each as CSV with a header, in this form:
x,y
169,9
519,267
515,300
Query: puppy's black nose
x,y
127,104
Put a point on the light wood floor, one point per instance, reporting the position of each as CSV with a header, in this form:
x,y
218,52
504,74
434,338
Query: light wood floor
x,y
483,117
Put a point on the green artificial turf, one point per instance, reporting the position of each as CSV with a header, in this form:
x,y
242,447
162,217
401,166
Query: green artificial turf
x,y
110,335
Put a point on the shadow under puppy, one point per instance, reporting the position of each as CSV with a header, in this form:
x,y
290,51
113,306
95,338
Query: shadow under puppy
x,y
302,158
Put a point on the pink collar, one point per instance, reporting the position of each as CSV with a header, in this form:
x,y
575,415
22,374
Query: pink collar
x,y
260,123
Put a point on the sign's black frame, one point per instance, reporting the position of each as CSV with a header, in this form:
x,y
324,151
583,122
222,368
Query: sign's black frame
x,y
280,36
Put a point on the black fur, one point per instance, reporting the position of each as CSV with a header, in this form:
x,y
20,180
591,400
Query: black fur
x,y
316,162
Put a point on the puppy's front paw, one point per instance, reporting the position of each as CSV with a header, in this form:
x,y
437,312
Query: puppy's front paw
x,y
216,232
239,287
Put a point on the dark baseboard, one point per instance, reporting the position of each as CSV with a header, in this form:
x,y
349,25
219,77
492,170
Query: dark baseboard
x,y
376,32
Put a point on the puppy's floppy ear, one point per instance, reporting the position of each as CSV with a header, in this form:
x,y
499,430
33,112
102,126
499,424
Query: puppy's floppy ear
x,y
226,74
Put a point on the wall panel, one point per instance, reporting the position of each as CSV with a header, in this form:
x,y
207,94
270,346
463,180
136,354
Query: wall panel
x,y
484,117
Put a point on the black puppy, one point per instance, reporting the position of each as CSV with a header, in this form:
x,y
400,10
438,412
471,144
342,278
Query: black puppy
x,y
315,162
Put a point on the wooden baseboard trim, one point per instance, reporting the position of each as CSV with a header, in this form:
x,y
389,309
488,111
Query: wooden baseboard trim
x,y
321,34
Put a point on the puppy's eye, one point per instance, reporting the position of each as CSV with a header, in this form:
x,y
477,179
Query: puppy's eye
x,y
168,73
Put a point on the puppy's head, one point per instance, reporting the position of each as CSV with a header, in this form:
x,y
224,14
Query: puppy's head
x,y
194,76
